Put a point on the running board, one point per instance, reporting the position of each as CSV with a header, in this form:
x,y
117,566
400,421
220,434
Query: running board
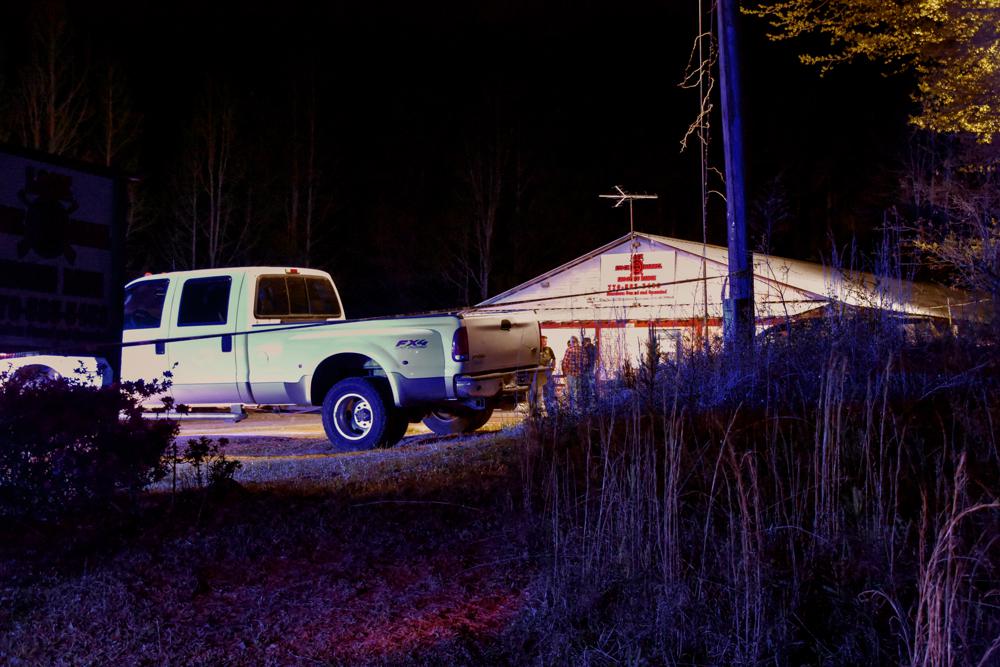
x,y
235,414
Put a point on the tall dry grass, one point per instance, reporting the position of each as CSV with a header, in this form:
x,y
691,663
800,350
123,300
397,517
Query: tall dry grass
x,y
831,499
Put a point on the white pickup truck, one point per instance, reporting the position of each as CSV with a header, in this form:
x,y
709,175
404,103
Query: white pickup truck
x,y
278,336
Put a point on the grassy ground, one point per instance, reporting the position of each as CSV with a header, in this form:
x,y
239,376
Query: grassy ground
x,y
830,501
409,555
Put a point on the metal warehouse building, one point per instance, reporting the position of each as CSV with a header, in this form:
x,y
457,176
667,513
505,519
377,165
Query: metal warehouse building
x,y
619,292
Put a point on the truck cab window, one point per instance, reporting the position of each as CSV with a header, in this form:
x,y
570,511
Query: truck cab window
x,y
296,297
144,304
272,297
204,301
322,299
298,300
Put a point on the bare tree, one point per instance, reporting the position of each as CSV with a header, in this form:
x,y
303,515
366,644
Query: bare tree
x,y
458,269
118,127
214,214
303,191
770,214
119,122
215,130
51,107
486,175
523,181
182,225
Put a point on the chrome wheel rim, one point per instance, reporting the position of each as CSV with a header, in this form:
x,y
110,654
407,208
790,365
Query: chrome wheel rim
x,y
353,416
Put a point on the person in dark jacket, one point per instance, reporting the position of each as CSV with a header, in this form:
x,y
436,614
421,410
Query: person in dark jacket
x,y
589,382
573,364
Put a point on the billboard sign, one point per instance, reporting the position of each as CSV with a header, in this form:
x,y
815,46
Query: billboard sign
x,y
61,253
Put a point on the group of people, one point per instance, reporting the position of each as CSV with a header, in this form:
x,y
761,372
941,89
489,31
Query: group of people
x,y
579,364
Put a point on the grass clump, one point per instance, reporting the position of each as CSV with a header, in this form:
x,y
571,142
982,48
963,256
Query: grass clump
x,y
829,499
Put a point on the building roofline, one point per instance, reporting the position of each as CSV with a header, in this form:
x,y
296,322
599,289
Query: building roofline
x,y
654,238
559,269
692,248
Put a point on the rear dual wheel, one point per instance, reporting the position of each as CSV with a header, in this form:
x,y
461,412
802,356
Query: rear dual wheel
x,y
358,413
457,420
397,428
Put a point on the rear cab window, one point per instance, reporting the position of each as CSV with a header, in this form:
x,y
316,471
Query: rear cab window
x,y
296,297
204,301
144,304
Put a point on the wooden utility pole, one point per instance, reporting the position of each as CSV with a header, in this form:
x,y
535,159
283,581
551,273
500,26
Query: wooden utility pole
x,y
738,310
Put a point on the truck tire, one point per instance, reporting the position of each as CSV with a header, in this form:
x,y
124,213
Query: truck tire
x,y
447,422
357,414
397,429
34,375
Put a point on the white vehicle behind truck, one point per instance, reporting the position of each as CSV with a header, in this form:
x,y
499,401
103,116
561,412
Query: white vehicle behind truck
x,y
278,336
90,370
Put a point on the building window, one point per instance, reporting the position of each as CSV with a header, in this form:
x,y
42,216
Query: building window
x,y
670,343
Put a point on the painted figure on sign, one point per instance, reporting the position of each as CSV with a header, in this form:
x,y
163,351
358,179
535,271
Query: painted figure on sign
x,y
49,202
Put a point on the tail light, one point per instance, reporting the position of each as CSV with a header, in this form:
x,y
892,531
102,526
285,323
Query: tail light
x,y
460,344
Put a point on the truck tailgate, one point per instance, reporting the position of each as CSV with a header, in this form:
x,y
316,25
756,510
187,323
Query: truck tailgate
x,y
500,342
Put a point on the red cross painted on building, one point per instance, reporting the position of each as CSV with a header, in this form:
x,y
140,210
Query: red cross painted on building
x,y
636,268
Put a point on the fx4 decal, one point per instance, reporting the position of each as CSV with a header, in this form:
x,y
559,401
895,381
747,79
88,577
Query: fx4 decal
x,y
418,343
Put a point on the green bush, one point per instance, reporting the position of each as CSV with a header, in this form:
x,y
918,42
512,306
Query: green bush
x,y
66,446
211,468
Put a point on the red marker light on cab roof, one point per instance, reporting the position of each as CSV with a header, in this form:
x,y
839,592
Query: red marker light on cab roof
x,y
292,271
147,274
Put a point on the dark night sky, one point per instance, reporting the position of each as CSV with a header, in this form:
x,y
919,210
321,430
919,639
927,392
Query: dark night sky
x,y
591,86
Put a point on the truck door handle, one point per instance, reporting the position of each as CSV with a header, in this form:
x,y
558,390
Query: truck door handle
x,y
227,343
161,347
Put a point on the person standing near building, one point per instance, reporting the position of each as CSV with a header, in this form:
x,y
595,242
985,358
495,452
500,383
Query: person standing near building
x,y
589,382
543,387
573,363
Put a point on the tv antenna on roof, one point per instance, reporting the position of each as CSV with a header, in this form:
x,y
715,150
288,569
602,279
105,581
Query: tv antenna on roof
x,y
623,197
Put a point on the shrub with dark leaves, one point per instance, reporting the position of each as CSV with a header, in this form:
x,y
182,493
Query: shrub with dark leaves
x,y
66,446
209,462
